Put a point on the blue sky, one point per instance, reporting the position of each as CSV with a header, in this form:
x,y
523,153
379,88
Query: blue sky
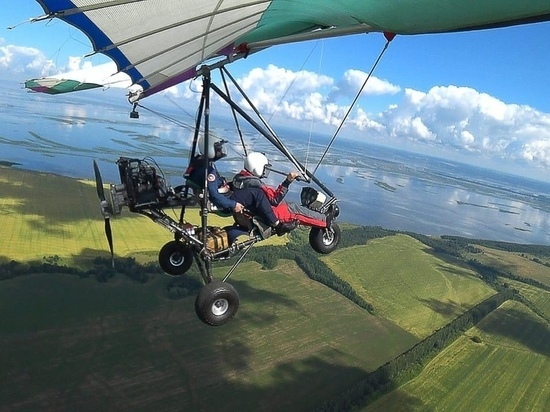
x,y
479,97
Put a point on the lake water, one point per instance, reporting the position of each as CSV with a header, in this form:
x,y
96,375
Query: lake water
x,y
375,185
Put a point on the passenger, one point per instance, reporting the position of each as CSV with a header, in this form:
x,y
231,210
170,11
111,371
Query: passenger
x,y
267,202
218,189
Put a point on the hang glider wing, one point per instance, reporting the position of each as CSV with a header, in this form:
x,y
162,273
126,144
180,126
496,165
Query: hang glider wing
x,y
52,85
161,43
104,75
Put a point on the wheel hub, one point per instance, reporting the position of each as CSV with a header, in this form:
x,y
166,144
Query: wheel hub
x,y
176,259
220,306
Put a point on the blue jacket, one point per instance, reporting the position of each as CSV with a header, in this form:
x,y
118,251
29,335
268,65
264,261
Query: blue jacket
x,y
218,189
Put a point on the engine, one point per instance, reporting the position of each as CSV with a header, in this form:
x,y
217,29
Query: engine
x,y
140,188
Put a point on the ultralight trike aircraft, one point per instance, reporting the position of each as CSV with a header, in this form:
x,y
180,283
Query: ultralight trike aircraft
x,y
144,190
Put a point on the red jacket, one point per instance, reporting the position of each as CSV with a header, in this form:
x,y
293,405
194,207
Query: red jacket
x,y
246,179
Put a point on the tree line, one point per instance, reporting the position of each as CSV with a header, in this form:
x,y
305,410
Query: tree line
x,y
308,261
297,250
405,366
100,268
540,250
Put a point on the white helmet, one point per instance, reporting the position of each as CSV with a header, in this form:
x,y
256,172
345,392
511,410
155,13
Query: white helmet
x,y
215,147
256,163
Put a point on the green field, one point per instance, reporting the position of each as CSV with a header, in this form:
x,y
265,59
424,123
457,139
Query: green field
x,y
43,214
408,285
508,371
539,297
520,264
70,343
77,344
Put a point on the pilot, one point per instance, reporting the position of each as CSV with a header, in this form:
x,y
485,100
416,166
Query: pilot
x,y
267,202
218,189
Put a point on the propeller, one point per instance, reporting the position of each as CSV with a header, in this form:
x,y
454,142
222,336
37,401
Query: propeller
x,y
105,210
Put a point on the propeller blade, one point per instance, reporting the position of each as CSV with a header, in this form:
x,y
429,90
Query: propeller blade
x,y
109,235
104,210
99,183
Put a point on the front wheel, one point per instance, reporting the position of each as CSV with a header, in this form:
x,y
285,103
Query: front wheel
x,y
216,303
325,240
175,258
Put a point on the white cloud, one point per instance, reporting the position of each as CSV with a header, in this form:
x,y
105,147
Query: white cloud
x,y
76,63
466,119
460,118
29,62
25,61
352,82
537,151
362,121
277,89
305,95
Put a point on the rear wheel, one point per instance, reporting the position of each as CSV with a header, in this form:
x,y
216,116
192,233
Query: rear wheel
x,y
175,258
325,240
216,303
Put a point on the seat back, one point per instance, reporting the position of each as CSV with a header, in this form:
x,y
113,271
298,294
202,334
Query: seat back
x,y
197,192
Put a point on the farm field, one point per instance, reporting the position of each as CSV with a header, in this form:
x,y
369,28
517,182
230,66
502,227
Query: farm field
x,y
507,371
71,343
77,344
515,263
408,285
539,297
44,214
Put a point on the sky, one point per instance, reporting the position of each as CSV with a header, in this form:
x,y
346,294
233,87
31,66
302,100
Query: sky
x,y
478,97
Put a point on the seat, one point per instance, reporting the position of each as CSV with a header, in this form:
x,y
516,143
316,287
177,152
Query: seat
x,y
253,224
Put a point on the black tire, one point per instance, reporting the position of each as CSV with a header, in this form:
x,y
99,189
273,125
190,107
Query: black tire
x,y
175,258
217,303
325,240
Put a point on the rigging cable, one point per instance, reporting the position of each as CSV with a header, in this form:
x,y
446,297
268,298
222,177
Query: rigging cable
x,y
235,119
389,37
171,100
306,164
292,84
177,122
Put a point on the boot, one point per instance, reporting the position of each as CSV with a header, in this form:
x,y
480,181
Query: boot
x,y
285,227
